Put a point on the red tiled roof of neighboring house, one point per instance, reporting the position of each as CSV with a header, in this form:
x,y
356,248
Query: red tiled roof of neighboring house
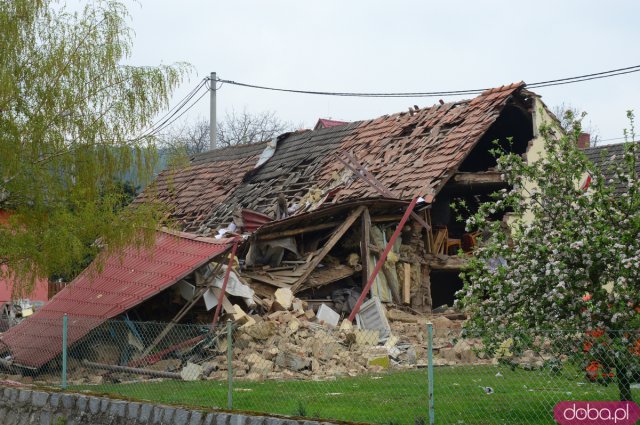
x,y
326,123
605,157
412,153
126,280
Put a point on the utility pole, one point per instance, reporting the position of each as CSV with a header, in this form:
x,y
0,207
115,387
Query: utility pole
x,y
213,125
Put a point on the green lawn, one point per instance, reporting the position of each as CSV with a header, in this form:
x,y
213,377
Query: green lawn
x,y
520,397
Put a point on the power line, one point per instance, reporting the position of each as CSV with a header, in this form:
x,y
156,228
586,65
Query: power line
x,y
183,112
164,121
540,84
611,139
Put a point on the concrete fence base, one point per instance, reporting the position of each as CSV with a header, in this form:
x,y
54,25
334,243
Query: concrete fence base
x,y
20,406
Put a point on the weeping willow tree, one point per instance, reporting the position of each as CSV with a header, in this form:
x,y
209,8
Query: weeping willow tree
x,y
72,119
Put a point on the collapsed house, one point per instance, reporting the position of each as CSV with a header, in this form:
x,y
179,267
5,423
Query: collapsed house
x,y
297,197
312,217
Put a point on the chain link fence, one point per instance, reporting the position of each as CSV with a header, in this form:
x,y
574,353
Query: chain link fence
x,y
409,373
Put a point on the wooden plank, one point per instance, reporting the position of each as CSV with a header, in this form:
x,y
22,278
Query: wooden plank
x,y
266,279
289,273
386,218
293,232
406,289
261,289
335,237
289,280
364,245
327,275
478,178
428,239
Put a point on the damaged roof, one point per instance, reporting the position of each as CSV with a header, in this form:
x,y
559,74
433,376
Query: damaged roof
x,y
126,280
411,153
604,157
208,180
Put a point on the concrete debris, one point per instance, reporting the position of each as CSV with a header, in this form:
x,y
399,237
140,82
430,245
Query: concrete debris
x,y
326,315
191,372
292,361
284,299
283,346
242,318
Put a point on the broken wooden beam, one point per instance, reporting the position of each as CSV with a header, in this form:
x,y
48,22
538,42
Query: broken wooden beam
x,y
185,308
335,237
406,287
490,178
382,259
299,231
267,278
327,275
361,172
446,262
364,245
133,370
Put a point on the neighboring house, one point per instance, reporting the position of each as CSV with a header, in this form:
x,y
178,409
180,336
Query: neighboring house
x,y
39,293
605,156
327,123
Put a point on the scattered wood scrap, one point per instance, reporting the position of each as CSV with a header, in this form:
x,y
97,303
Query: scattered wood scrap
x,y
326,275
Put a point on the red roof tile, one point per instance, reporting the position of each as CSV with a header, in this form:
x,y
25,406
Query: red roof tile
x,y
326,123
413,154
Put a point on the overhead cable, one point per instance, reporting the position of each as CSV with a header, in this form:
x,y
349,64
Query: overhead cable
x,y
540,84
166,119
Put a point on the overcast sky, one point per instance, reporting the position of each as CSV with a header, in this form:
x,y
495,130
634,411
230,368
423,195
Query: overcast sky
x,y
392,46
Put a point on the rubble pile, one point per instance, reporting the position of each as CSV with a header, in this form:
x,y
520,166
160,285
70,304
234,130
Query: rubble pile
x,y
290,343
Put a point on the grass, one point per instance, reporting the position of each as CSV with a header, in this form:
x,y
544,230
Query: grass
x,y
519,396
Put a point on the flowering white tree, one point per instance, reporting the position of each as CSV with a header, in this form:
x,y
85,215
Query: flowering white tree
x,y
569,269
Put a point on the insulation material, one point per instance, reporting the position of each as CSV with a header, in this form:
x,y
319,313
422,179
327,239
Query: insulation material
x,y
270,252
234,287
386,286
380,288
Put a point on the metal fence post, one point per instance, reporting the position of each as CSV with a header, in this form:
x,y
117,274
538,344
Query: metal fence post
x,y
229,365
64,351
430,371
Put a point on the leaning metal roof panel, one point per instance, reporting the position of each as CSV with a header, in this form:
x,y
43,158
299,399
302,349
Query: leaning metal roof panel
x,y
125,281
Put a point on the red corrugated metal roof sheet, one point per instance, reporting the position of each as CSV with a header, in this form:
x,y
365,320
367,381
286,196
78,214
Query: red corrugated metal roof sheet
x,y
126,281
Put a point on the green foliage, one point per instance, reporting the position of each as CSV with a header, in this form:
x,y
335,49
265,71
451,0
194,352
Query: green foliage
x,y
568,267
71,115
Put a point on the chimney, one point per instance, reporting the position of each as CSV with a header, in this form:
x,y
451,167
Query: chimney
x,y
584,141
